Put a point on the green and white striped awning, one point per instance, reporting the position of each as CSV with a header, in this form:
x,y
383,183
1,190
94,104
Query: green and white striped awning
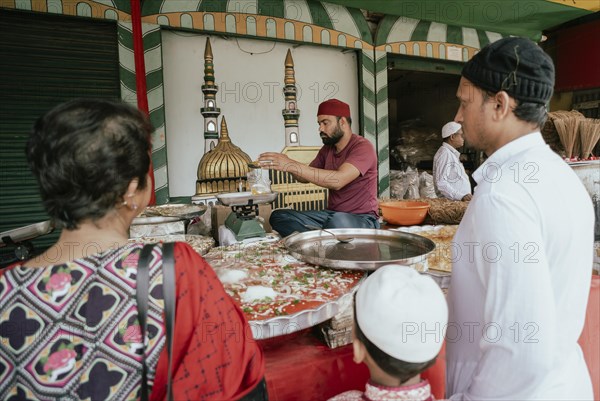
x,y
508,17
402,29
327,15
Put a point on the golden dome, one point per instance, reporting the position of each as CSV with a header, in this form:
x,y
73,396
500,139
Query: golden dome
x,y
225,161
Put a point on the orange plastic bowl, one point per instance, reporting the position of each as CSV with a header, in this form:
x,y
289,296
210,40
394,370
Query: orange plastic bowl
x,y
404,213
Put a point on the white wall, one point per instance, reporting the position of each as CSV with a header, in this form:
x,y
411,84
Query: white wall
x,y
250,76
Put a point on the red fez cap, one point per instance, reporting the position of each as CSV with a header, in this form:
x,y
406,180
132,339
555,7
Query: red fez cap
x,y
334,107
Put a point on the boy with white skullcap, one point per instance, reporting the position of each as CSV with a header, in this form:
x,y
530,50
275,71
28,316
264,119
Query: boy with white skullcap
x,y
399,326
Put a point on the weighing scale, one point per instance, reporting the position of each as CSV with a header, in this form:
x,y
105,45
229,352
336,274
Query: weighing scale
x,y
243,220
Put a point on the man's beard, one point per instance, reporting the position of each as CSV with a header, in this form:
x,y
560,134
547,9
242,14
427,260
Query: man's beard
x,y
333,139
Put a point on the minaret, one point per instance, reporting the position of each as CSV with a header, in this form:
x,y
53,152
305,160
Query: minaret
x,y
309,195
291,112
210,111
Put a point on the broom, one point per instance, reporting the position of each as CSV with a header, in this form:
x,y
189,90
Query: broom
x,y
589,134
567,128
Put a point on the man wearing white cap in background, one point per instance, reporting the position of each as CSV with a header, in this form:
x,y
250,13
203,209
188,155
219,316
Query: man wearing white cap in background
x,y
449,176
400,318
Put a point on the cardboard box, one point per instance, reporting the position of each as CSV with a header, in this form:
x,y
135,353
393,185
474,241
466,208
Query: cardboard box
x,y
218,214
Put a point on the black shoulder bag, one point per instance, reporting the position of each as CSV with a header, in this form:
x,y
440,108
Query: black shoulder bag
x,y
143,284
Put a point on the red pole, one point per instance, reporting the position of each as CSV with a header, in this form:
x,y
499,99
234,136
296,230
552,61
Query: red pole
x,y
140,72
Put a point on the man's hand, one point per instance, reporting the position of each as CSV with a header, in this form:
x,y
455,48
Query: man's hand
x,y
281,162
467,197
277,161
331,179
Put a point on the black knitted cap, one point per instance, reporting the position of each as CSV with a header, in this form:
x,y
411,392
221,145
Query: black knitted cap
x,y
517,66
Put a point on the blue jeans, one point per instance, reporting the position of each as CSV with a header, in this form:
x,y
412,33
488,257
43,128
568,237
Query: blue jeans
x,y
287,221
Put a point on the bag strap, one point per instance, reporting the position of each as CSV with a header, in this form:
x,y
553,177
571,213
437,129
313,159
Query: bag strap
x,y
168,269
141,297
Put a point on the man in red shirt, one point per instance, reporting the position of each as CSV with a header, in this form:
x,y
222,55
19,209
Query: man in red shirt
x,y
346,165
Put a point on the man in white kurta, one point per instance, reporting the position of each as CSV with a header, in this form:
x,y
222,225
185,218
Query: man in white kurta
x,y
450,179
523,251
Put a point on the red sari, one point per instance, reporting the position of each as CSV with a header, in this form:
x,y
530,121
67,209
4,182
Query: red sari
x,y
215,356
73,329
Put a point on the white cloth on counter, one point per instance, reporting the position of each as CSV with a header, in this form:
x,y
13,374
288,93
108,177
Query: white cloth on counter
x,y
227,237
520,280
449,176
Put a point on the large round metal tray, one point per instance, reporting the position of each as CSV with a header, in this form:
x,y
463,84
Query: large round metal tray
x,y
184,211
201,244
242,198
247,255
282,325
369,250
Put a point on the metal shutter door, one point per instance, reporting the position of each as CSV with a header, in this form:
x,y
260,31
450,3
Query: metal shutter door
x,y
44,60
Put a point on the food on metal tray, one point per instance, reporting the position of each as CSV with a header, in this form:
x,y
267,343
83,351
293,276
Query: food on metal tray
x,y
173,210
267,282
201,244
441,258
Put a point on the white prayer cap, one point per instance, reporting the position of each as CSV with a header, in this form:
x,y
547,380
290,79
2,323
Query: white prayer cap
x,y
403,313
450,128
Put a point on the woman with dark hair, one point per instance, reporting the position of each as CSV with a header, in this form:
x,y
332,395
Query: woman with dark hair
x,y
69,324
